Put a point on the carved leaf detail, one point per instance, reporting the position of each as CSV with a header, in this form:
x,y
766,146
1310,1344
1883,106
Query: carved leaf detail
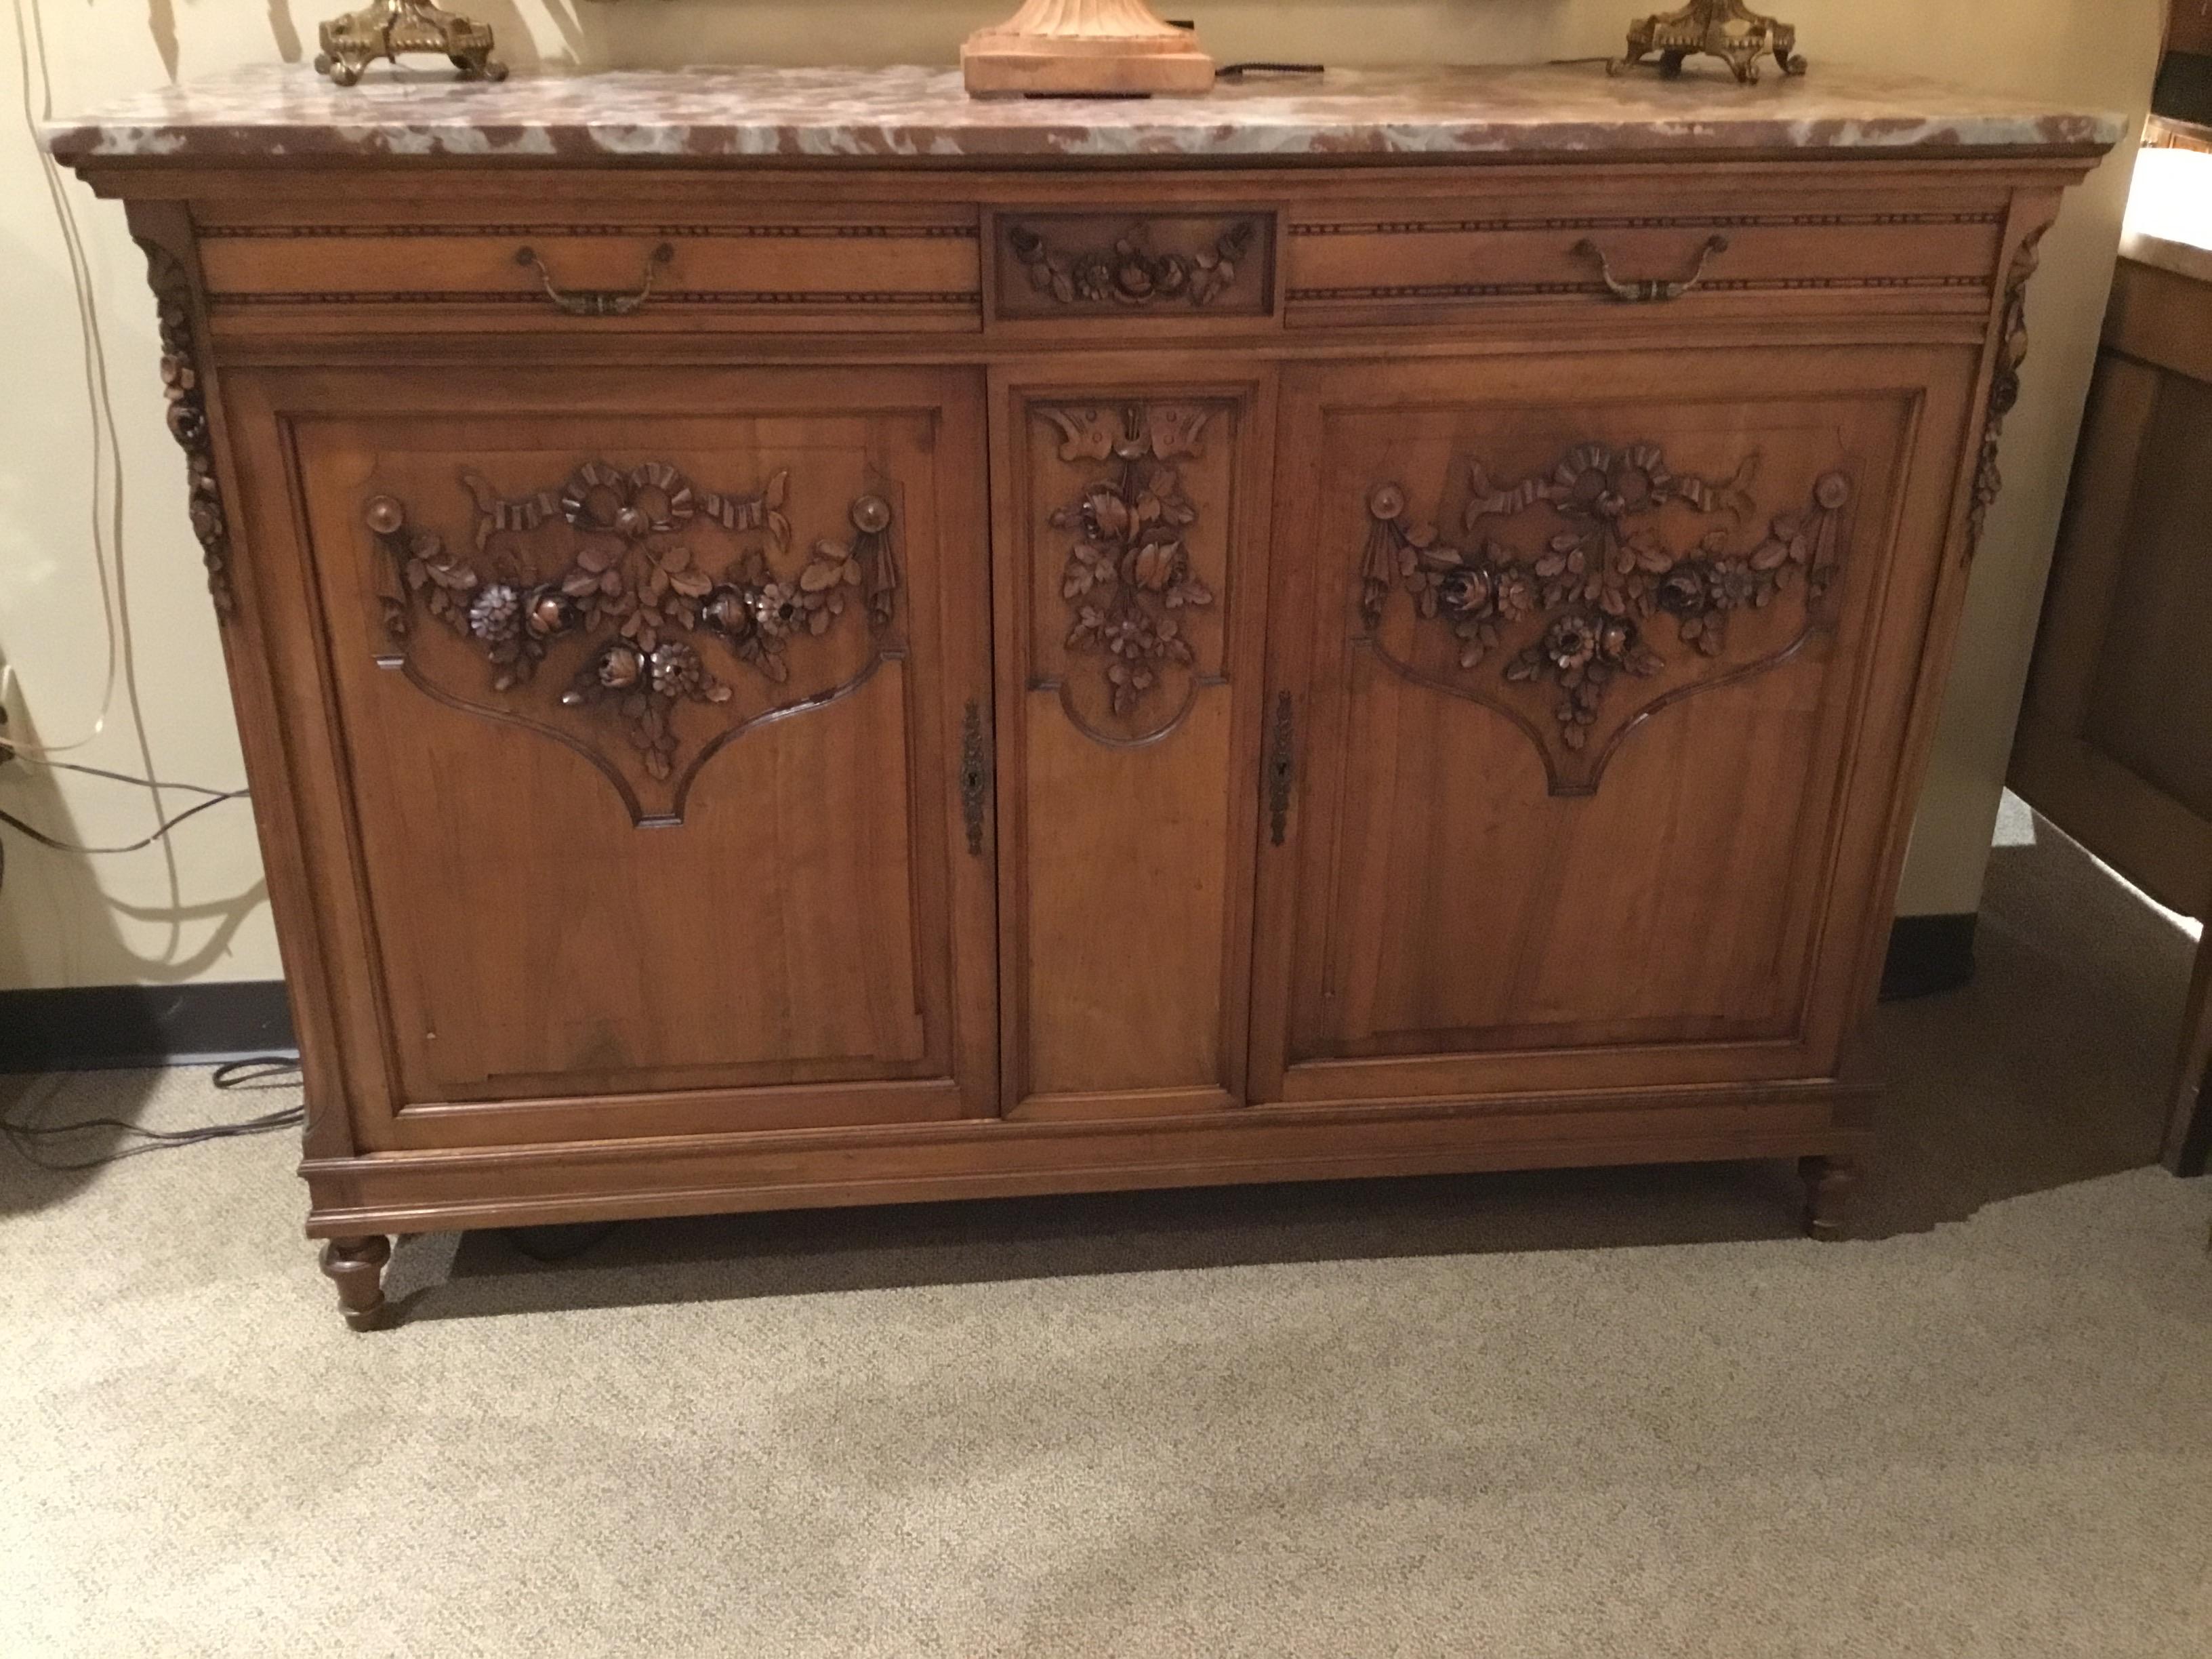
x,y
1596,588
1127,571
634,593
1131,273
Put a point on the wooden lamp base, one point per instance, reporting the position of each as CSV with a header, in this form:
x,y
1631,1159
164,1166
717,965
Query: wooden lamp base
x,y
1079,48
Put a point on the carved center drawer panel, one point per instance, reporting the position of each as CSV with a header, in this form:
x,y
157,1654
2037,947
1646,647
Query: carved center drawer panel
x,y
1392,266
865,272
1135,265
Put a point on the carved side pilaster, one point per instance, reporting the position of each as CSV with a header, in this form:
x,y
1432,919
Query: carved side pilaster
x,y
181,383
2004,384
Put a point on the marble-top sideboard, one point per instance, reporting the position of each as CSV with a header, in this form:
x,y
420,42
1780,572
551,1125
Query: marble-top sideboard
x,y
801,638
285,112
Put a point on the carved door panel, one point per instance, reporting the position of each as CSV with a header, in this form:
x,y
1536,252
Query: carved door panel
x,y
1131,582
650,694
1593,734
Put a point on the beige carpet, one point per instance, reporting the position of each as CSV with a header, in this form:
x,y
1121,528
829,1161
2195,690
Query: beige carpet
x,y
1617,1414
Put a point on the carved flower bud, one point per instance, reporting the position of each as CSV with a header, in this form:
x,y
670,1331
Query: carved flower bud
x,y
1615,636
1132,278
620,667
1466,590
1683,590
729,613
629,521
1834,490
548,612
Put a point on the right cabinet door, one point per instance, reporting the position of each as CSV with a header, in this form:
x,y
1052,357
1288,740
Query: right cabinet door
x,y
1591,712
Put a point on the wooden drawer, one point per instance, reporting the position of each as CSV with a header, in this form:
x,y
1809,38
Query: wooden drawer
x,y
1136,267
1392,267
867,271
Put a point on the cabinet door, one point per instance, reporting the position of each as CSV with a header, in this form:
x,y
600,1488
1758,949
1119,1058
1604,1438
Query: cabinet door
x,y
1131,583
649,697
1596,724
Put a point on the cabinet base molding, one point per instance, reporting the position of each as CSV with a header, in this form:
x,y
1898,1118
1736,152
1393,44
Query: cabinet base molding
x,y
547,1186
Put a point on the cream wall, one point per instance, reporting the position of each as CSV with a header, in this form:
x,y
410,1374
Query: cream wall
x,y
197,909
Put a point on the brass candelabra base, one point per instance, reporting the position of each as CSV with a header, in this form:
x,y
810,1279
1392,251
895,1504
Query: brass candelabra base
x,y
1726,29
386,29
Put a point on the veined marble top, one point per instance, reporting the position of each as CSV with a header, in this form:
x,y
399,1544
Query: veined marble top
x,y
287,111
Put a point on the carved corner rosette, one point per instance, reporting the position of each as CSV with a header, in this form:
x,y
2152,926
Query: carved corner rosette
x,y
187,416
1128,581
2004,384
1581,613
1131,273
632,589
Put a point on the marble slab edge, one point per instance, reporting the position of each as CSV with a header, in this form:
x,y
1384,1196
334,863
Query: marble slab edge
x,y
288,116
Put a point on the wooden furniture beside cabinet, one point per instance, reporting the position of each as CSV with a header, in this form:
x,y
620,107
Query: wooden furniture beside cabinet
x,y
2115,743
947,649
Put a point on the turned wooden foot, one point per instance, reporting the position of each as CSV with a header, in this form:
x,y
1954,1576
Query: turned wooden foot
x,y
1828,1184
355,1266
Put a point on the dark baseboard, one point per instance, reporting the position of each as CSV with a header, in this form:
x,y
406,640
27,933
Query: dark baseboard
x,y
101,1027
1927,954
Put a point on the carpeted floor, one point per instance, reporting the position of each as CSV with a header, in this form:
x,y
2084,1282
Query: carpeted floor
x,y
1625,1413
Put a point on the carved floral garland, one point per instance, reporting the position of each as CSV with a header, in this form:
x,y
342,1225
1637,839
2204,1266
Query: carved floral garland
x,y
1604,575
634,586
1128,570
186,400
1130,273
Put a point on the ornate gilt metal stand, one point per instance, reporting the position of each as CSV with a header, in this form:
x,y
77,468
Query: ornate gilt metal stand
x,y
1727,29
386,29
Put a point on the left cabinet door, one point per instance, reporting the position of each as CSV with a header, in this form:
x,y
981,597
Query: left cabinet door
x,y
637,723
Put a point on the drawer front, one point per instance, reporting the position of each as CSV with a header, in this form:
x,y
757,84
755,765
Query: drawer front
x,y
1353,268
1142,268
864,273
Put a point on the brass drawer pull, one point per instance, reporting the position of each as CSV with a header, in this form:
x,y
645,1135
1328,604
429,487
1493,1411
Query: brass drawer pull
x,y
1651,289
598,302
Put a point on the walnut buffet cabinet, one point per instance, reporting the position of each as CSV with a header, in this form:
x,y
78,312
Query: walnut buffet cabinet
x,y
805,639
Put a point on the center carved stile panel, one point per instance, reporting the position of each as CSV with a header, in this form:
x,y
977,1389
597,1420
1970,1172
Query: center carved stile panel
x,y
1137,539
1581,599
647,590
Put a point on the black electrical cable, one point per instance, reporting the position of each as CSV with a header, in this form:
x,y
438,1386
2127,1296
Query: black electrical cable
x,y
125,777
213,797
60,845
263,1071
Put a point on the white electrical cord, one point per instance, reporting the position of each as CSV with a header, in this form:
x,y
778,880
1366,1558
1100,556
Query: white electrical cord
x,y
106,526
107,510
